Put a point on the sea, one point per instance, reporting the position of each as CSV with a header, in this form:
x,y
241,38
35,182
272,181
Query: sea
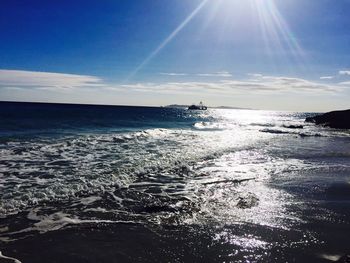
x,y
89,183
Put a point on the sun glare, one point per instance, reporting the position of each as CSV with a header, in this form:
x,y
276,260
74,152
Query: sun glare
x,y
275,31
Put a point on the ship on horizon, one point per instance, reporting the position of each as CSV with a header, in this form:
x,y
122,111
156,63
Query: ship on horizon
x,y
200,106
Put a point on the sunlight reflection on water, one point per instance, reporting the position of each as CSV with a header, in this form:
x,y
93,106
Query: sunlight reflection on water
x,y
245,177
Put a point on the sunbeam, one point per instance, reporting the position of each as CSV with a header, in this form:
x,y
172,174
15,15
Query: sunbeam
x,y
167,40
275,30
276,33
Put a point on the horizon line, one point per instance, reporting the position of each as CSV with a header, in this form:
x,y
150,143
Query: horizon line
x,y
147,106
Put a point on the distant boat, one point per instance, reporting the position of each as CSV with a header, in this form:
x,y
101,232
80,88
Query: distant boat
x,y
200,106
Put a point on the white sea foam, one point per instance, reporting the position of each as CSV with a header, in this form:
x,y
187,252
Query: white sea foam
x,y
43,171
58,220
9,259
89,200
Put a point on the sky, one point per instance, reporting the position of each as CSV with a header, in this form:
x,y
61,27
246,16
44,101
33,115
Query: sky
x,y
263,54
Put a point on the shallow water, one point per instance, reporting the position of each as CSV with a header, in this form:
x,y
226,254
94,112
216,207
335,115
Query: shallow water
x,y
126,184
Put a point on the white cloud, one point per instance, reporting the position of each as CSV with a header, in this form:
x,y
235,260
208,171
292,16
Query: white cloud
x,y
46,80
266,84
345,83
344,72
223,74
173,74
255,75
327,77
256,84
288,84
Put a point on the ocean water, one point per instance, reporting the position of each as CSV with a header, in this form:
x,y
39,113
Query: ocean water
x,y
83,183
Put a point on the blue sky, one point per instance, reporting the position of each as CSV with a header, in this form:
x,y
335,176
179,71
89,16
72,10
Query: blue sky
x,y
282,54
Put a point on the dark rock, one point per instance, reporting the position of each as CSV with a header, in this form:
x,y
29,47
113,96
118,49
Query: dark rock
x,y
334,119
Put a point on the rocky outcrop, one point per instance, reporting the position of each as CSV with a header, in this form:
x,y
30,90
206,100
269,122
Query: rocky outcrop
x,y
334,119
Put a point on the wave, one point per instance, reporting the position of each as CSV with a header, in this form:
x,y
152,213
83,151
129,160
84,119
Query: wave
x,y
33,171
262,124
9,259
294,132
209,126
155,176
43,170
